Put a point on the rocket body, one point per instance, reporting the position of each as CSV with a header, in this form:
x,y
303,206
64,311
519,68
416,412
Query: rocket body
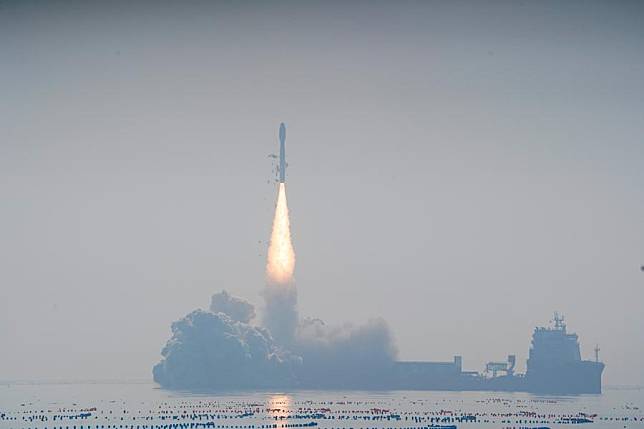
x,y
282,167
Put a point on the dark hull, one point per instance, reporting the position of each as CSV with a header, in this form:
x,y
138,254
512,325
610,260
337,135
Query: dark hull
x,y
582,377
576,377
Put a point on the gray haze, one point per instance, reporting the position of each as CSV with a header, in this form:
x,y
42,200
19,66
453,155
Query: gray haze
x,y
459,169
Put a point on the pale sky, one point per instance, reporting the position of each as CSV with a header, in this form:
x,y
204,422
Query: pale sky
x,y
461,169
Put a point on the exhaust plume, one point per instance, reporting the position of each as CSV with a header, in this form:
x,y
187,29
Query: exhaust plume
x,y
281,256
280,313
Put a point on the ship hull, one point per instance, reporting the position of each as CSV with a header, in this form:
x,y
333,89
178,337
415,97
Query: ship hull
x,y
568,378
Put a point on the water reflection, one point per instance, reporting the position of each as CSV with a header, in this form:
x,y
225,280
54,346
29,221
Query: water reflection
x,y
278,408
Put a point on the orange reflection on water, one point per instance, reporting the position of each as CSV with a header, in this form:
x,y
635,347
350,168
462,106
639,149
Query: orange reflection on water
x,y
278,408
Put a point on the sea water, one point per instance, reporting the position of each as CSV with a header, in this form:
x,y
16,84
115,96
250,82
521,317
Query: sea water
x,y
144,405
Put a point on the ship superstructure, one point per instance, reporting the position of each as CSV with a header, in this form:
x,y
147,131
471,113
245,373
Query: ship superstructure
x,y
552,346
555,365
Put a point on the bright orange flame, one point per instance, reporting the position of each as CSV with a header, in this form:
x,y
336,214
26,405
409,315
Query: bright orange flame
x,y
281,256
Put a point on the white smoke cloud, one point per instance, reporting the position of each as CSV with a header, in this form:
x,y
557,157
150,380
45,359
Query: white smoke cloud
x,y
280,312
235,308
219,349
343,356
212,351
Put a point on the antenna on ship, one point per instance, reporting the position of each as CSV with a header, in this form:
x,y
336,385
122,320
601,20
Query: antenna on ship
x,y
558,319
597,349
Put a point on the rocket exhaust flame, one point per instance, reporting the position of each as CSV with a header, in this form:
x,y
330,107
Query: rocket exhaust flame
x,y
280,313
280,263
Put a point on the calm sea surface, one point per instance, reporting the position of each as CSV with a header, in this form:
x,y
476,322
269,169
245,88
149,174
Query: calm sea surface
x,y
142,405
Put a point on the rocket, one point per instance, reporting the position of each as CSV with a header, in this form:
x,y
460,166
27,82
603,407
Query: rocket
x,y
282,167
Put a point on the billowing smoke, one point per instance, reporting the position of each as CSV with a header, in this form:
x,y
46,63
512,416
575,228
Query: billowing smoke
x,y
346,356
235,308
220,349
343,356
211,350
280,312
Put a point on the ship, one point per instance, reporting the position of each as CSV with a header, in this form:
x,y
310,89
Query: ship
x,y
554,366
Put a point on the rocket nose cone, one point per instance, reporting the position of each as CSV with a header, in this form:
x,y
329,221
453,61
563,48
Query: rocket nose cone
x,y
282,132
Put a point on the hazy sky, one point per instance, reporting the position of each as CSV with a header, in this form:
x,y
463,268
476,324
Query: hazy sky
x,y
460,169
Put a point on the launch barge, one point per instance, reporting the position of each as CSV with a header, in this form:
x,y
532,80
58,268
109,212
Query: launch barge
x,y
554,366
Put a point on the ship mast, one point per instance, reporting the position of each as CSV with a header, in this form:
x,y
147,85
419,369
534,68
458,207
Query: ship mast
x,y
558,319
597,349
